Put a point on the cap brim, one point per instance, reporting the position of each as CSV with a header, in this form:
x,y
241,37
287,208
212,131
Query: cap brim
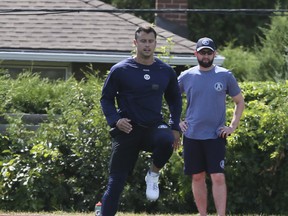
x,y
205,47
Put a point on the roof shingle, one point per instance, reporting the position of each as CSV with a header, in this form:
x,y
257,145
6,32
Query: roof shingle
x,y
74,31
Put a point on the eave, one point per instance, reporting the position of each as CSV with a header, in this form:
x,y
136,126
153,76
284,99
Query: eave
x,y
93,57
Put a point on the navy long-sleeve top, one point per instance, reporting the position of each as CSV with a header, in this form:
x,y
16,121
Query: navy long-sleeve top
x,y
136,91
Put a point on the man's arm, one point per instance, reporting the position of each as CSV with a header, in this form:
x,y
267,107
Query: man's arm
x,y
107,101
238,110
174,101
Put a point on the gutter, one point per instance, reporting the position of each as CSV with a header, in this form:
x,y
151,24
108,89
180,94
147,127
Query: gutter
x,y
94,57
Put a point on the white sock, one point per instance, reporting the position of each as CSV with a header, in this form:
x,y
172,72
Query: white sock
x,y
153,174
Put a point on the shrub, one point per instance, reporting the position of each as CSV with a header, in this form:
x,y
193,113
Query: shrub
x,y
242,62
256,156
64,164
273,54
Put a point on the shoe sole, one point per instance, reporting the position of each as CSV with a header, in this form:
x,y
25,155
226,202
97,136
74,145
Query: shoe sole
x,y
151,200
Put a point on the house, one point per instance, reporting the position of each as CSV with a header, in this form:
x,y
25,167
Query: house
x,y
173,22
64,38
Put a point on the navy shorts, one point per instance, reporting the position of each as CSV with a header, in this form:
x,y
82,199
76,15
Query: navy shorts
x,y
204,155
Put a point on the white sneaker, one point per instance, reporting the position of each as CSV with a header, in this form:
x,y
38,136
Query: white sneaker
x,y
152,189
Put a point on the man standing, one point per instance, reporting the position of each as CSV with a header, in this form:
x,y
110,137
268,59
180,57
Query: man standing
x,y
205,133
138,85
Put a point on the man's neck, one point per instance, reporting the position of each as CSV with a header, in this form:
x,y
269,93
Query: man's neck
x,y
206,68
144,61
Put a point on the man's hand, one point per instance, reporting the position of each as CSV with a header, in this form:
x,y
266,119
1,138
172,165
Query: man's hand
x,y
226,131
183,125
124,125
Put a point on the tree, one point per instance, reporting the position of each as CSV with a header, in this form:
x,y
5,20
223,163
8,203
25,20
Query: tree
x,y
242,28
267,61
273,52
132,4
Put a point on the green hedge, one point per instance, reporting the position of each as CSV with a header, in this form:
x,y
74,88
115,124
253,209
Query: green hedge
x,y
257,166
64,164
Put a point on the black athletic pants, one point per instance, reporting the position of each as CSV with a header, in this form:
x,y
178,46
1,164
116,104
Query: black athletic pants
x,y
125,150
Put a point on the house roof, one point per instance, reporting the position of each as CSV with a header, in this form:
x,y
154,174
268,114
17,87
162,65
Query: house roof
x,y
31,30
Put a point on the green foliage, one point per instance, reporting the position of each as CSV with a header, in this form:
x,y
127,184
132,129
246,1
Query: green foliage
x,y
241,27
132,4
27,94
241,62
256,156
266,62
164,52
64,164
274,51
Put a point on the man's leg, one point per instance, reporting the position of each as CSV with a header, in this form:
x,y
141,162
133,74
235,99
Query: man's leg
x,y
199,190
152,181
112,194
123,158
154,169
160,143
215,150
219,191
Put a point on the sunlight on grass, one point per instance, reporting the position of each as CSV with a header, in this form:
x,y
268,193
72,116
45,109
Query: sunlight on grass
x,y
2,213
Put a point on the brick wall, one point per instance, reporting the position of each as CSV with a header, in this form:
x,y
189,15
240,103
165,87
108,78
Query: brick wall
x,y
180,18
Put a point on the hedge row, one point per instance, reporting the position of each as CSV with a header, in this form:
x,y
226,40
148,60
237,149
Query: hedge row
x,y
64,164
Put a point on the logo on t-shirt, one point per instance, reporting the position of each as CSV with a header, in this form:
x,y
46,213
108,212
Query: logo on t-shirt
x,y
147,77
218,86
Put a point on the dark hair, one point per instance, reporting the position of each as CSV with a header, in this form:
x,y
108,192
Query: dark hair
x,y
146,29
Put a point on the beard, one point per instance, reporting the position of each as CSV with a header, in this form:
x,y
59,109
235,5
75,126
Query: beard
x,y
205,64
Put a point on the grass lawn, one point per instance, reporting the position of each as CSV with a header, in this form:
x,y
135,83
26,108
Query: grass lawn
x,y
78,214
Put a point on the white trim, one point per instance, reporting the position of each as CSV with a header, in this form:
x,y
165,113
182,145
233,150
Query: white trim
x,y
93,58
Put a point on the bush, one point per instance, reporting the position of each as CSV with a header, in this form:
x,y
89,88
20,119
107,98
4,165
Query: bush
x,y
64,164
28,94
256,156
273,54
242,62
268,62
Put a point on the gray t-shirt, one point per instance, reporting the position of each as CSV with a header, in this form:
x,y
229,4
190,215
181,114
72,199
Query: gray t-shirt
x,y
206,100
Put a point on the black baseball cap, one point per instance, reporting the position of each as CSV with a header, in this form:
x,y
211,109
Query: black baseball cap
x,y
205,42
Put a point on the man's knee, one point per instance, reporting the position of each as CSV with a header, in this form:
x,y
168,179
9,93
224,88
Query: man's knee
x,y
165,137
199,177
218,178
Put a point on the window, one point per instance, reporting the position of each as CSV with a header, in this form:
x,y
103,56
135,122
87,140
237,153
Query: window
x,y
53,71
